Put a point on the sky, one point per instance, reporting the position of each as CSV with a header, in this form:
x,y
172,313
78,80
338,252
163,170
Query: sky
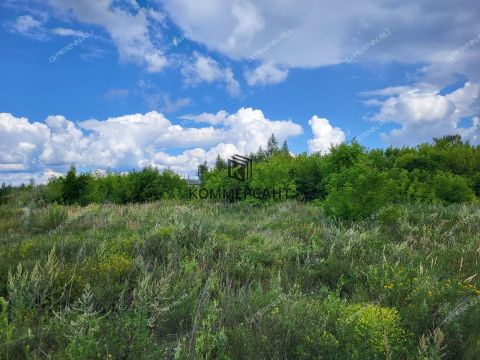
x,y
120,85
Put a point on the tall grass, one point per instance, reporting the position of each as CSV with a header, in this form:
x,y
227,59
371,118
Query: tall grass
x,y
215,281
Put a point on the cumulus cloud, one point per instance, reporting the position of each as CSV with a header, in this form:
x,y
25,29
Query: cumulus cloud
x,y
66,144
208,118
324,135
131,141
22,177
265,74
129,29
424,113
21,141
203,69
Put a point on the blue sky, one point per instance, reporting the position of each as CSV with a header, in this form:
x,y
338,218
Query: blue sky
x,y
172,83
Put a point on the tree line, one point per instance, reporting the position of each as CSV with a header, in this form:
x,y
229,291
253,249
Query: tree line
x,y
350,182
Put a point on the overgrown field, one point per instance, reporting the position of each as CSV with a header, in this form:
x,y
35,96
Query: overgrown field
x,y
178,280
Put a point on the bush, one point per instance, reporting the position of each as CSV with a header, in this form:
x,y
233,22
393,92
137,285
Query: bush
x,y
452,189
358,192
391,220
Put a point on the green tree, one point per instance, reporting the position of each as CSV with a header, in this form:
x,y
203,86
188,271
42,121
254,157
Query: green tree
x,y
284,148
344,156
276,173
476,184
448,141
54,190
309,177
202,171
74,187
220,164
261,155
272,146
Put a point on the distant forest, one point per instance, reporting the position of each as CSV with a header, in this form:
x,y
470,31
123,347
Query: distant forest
x,y
350,182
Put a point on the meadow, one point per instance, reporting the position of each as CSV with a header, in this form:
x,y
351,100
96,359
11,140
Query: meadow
x,y
174,279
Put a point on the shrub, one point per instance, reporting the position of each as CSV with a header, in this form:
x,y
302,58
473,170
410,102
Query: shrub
x,y
360,191
391,219
452,189
375,332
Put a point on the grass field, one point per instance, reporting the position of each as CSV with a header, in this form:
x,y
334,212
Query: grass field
x,y
178,280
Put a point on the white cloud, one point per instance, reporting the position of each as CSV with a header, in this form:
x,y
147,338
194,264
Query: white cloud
x,y
66,144
200,69
265,74
29,26
129,30
20,141
163,102
325,32
425,113
208,118
248,21
233,87
320,33
22,177
131,141
69,32
187,162
394,90
324,135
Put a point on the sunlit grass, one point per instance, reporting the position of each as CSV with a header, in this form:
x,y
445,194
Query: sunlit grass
x,y
180,279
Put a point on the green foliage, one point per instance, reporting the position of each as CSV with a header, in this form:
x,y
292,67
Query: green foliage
x,y
202,171
452,189
476,184
272,146
310,177
391,219
5,191
285,149
183,280
220,164
350,182
48,218
147,185
360,191
81,328
344,156
276,173
6,329
53,193
166,278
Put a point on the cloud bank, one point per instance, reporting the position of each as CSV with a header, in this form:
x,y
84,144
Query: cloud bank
x,y
34,149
